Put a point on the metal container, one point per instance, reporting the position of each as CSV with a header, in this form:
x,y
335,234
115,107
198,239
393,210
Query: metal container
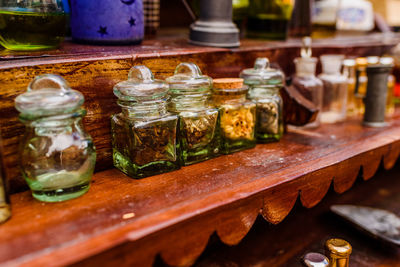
x,y
214,26
375,99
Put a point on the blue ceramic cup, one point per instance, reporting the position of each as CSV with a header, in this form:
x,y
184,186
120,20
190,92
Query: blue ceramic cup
x,y
107,21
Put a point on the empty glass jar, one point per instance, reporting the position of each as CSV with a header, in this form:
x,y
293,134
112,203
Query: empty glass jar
x,y
335,89
238,115
349,71
32,25
57,155
264,89
308,85
144,134
190,93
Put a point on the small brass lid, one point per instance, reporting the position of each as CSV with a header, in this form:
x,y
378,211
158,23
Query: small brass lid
x,y
338,247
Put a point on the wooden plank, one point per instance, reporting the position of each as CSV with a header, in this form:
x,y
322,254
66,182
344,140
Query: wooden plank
x,y
94,70
285,244
185,207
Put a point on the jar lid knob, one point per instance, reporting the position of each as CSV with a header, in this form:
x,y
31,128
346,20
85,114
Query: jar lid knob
x,y
306,51
261,63
188,69
47,81
140,74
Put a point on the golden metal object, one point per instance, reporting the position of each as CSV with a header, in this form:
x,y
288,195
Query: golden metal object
x,y
338,251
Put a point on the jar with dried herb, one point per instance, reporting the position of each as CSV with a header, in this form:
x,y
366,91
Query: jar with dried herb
x,y
190,93
238,115
144,134
264,85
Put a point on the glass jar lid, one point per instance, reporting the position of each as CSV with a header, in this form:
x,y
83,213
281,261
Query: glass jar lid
x,y
331,63
140,85
263,74
48,95
188,79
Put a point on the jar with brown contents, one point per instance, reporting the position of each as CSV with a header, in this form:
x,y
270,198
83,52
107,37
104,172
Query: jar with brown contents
x,y
265,83
238,115
190,92
144,134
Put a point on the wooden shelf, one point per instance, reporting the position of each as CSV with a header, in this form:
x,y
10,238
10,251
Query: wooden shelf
x,y
174,214
126,221
94,70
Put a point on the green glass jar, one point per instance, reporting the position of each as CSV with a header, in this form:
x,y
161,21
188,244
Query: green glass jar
x,y
5,207
264,89
237,114
57,155
190,93
27,25
144,134
268,19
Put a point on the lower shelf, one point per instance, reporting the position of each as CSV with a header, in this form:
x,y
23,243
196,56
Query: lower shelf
x,y
174,214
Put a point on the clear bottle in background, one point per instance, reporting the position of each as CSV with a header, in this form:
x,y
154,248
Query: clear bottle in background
x,y
144,134
349,71
390,104
238,115
361,83
305,80
5,208
32,25
334,104
190,94
324,18
57,155
264,89
269,19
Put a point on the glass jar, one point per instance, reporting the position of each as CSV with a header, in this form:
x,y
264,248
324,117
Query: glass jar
x,y
334,104
32,25
308,85
144,134
390,103
238,115
349,71
269,19
5,209
264,89
57,155
190,93
361,83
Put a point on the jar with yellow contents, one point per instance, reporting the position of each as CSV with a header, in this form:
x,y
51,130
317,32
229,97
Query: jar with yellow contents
x,y
238,115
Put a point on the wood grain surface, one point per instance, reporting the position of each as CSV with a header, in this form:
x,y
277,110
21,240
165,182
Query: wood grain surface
x,y
126,221
94,70
306,230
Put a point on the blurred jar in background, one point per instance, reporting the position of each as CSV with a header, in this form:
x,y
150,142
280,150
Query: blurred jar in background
x,y
269,19
32,24
361,83
390,104
349,71
324,14
335,89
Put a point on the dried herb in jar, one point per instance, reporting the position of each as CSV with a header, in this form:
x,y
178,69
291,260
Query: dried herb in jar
x,y
237,123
